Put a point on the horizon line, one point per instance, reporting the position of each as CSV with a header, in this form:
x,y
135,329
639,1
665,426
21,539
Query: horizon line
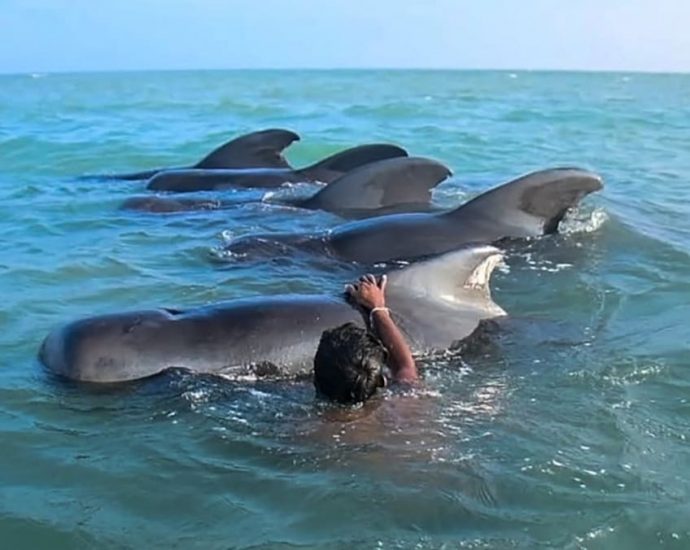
x,y
345,69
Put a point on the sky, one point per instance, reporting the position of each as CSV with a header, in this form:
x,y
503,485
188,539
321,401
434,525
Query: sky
x,y
108,35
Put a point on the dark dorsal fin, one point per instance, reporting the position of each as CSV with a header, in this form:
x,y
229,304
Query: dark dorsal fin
x,y
530,205
262,149
404,180
336,165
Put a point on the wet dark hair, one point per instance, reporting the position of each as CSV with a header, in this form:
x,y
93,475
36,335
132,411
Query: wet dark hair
x,y
348,365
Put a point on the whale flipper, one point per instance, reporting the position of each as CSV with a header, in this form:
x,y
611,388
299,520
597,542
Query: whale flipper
x,y
529,206
336,165
386,183
262,149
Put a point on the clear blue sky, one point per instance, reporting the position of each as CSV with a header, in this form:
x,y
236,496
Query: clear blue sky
x,y
82,35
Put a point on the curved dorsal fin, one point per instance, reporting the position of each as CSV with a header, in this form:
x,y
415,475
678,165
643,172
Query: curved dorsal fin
x,y
442,300
451,277
531,205
391,182
262,149
334,166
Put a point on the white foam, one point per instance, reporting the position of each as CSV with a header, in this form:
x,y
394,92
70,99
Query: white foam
x,y
222,253
227,235
582,221
543,264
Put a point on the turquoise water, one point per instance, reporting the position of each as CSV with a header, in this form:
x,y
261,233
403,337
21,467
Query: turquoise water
x,y
567,430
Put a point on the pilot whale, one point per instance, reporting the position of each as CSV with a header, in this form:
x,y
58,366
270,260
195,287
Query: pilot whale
x,y
256,160
530,206
324,171
401,184
437,303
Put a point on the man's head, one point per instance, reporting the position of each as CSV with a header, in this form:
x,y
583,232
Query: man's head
x,y
348,366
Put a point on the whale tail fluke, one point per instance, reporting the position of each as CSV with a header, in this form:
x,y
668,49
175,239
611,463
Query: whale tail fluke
x,y
379,185
331,168
262,149
530,205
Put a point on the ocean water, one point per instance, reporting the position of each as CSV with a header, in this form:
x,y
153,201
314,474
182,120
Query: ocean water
x,y
569,428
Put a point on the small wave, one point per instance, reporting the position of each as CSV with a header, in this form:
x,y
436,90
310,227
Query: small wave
x,y
536,262
582,221
444,361
245,376
226,255
197,396
227,236
289,191
626,371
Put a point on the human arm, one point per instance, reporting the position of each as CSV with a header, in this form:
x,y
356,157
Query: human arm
x,y
369,294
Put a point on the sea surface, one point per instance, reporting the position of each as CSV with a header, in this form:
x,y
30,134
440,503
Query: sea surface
x,y
568,428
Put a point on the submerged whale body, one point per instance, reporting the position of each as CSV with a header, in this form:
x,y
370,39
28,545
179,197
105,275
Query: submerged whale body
x,y
530,206
437,304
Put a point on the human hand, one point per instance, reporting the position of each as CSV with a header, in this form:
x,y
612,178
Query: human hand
x,y
368,293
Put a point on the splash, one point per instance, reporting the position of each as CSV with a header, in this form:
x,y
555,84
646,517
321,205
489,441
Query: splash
x,y
226,254
583,221
227,236
535,262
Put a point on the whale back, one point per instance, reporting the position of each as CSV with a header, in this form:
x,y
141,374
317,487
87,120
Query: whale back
x,y
226,338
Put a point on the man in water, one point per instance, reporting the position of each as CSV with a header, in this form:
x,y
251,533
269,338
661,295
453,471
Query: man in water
x,y
349,362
